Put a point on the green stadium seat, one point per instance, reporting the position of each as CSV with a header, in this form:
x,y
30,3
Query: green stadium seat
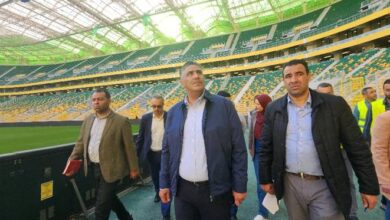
x,y
381,62
19,74
247,41
347,64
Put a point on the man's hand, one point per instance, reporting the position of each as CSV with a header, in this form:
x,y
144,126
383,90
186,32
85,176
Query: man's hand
x,y
238,198
165,195
71,173
369,201
133,174
268,188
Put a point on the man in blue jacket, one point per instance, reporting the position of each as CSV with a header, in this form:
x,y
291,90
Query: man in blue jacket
x,y
204,159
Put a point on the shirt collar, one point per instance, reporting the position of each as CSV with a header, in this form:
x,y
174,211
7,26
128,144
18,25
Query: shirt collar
x,y
198,100
308,101
104,117
162,116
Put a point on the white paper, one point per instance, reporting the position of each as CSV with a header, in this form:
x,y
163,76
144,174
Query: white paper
x,y
270,202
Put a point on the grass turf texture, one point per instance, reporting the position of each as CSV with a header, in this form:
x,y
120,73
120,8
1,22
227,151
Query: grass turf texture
x,y
13,139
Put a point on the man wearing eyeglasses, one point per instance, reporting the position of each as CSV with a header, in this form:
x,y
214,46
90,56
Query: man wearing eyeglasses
x,y
149,144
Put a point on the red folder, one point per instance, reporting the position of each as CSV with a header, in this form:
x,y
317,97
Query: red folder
x,y
72,166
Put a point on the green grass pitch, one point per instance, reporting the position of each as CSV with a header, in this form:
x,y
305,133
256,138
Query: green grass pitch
x,y
13,139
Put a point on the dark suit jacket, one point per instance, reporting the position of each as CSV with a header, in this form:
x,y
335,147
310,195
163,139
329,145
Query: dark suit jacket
x,y
116,151
332,125
144,138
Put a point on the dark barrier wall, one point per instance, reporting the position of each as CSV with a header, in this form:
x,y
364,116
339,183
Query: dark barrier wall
x,y
32,185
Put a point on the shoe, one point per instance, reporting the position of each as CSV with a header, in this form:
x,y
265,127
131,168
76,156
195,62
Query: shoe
x,y
156,198
353,218
233,217
260,217
167,218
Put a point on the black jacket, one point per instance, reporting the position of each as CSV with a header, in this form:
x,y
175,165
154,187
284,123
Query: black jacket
x,y
332,125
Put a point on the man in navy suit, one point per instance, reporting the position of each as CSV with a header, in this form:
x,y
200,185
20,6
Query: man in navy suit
x,y
149,144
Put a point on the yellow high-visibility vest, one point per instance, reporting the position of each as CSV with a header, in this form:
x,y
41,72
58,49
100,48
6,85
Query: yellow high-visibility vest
x,y
362,108
377,108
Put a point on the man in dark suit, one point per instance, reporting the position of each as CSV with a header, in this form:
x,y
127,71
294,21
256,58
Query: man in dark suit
x,y
149,144
106,145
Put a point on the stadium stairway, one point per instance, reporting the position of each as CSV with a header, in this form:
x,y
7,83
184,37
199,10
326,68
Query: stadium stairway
x,y
321,75
225,82
366,62
244,89
208,84
133,101
384,4
379,61
166,96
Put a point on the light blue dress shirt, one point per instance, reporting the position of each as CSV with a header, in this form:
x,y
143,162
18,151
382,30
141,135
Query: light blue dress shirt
x,y
301,153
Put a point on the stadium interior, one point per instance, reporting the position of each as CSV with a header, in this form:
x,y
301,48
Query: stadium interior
x,y
54,53
348,49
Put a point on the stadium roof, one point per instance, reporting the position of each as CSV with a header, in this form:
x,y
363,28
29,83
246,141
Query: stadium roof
x,y
48,31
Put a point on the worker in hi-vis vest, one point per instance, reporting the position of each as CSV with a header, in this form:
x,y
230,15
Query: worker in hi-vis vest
x,y
367,110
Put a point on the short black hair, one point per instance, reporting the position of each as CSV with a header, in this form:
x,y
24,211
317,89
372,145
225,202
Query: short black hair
x,y
365,89
324,85
103,90
189,63
224,94
296,62
387,81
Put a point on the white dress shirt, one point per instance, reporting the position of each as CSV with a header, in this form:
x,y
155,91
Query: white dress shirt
x,y
193,161
95,137
157,133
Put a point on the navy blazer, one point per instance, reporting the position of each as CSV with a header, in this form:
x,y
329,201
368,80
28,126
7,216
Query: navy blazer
x,y
224,142
144,138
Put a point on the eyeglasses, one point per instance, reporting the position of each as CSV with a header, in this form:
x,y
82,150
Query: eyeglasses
x,y
156,106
